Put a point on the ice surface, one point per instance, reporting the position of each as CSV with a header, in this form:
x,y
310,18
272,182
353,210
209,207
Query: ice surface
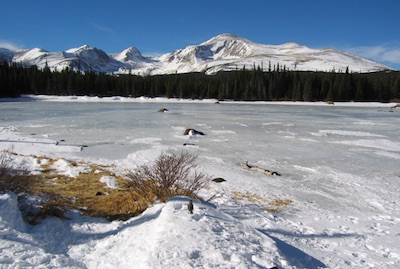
x,y
338,165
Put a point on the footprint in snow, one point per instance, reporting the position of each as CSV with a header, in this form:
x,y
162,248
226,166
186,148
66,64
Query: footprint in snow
x,y
196,217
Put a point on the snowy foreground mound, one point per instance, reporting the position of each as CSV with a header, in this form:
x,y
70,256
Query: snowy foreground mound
x,y
164,236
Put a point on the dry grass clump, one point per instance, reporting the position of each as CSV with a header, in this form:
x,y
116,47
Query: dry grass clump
x,y
277,205
90,196
273,205
248,196
56,194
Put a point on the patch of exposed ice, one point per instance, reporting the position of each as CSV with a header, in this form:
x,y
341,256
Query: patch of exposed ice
x,y
348,133
376,143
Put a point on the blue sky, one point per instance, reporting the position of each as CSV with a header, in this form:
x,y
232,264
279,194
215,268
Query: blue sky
x,y
364,27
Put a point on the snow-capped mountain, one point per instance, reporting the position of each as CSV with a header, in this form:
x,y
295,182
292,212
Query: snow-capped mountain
x,y
132,60
229,52
130,55
222,53
84,58
89,58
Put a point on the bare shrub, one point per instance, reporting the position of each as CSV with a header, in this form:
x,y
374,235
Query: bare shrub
x,y
171,175
11,178
5,165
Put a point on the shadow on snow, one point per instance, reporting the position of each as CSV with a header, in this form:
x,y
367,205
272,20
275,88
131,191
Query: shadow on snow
x,y
295,256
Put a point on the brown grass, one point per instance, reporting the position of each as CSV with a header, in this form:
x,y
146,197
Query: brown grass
x,y
277,205
248,196
272,203
87,194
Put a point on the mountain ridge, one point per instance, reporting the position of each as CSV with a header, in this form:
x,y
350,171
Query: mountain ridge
x,y
224,52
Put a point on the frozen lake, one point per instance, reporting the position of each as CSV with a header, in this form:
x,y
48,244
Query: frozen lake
x,y
352,139
322,145
339,163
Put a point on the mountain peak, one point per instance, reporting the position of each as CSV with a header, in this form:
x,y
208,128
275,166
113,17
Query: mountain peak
x,y
80,49
225,37
129,55
292,45
36,50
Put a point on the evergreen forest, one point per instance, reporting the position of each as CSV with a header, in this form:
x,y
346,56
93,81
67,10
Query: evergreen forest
x,y
249,85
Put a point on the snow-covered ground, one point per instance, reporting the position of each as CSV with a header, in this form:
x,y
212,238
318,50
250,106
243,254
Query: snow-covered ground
x,y
339,167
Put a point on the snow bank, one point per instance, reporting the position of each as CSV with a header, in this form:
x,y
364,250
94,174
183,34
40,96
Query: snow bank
x,y
164,236
120,99
116,99
19,248
10,215
64,167
167,236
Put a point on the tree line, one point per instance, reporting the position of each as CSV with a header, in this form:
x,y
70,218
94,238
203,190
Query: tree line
x,y
244,84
